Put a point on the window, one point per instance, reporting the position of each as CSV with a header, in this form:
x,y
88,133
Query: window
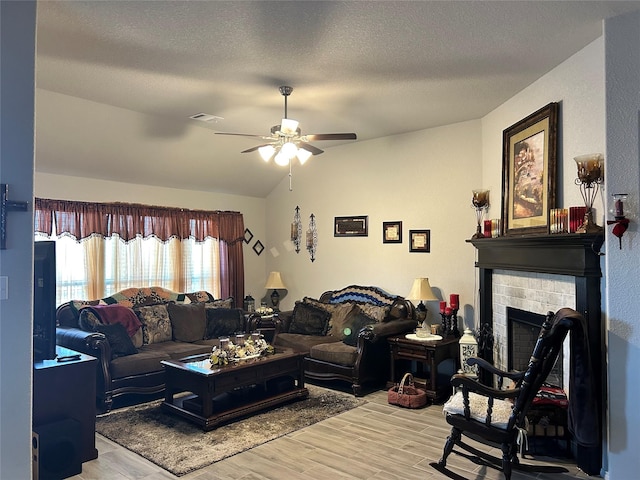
x,y
102,262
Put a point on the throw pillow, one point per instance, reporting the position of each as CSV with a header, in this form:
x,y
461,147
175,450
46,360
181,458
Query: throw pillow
x,y
88,319
156,326
223,322
220,303
352,327
309,320
339,313
378,313
118,338
188,321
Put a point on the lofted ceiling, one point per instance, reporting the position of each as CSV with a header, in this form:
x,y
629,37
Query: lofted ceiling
x,y
118,80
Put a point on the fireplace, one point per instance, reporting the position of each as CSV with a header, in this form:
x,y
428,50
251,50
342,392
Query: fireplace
x,y
572,260
523,328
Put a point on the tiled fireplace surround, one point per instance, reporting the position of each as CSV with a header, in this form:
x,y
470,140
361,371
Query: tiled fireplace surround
x,y
541,273
531,292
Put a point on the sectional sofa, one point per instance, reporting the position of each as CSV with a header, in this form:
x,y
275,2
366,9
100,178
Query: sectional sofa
x,y
132,331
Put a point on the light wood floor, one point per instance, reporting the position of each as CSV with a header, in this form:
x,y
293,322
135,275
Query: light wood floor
x,y
375,441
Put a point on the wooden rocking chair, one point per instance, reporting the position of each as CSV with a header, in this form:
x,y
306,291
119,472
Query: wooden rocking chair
x,y
497,416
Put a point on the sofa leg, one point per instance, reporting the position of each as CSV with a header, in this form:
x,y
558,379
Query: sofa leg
x,y
357,389
106,404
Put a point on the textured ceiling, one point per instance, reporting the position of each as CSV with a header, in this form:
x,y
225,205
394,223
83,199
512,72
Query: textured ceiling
x,y
118,80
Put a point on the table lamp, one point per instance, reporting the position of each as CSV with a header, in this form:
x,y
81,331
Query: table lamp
x,y
274,281
421,290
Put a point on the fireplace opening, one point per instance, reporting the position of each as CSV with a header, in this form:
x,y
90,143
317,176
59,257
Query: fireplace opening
x,y
523,328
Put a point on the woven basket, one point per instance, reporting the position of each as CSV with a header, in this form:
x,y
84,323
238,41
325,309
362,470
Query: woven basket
x,y
405,394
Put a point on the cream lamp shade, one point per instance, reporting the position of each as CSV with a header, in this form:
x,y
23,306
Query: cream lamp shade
x,y
275,281
421,290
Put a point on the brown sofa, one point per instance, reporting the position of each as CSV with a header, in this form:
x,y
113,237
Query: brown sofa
x,y
344,333
132,331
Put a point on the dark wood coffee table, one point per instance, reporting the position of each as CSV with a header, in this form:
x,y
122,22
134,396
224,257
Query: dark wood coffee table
x,y
221,394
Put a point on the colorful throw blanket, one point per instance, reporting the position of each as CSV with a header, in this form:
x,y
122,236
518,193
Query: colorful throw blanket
x,y
110,314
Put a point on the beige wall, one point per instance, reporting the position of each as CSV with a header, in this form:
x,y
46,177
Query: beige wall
x,y
93,190
423,179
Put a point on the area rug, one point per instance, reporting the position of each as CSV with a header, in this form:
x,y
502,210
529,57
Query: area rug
x,y
181,447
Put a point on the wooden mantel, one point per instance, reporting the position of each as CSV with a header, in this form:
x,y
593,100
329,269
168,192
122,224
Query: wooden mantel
x,y
571,254
575,255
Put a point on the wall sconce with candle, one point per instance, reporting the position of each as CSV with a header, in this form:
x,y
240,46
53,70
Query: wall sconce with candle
x,y
590,177
621,223
296,230
312,237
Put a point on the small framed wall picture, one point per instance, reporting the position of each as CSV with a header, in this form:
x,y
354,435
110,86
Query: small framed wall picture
x,y
247,235
351,226
420,241
392,232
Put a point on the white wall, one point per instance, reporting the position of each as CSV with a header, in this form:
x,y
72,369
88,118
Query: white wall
x,y
423,179
622,42
93,190
16,262
578,85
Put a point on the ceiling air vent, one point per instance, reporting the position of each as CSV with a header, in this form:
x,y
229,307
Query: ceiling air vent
x,y
205,117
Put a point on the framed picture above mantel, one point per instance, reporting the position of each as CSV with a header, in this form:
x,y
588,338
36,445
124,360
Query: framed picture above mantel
x,y
529,172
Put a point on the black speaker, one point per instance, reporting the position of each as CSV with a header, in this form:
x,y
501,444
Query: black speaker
x,y
56,450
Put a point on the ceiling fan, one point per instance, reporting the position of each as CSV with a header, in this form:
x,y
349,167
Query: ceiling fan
x,y
286,141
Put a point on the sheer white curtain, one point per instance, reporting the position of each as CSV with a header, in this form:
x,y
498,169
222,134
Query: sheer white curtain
x,y
97,267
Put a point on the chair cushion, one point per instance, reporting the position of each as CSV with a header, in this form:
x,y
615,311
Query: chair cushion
x,y
188,321
478,409
156,326
118,338
309,320
302,343
336,352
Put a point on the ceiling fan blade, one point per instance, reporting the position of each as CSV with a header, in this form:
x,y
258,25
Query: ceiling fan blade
x,y
253,149
311,148
331,136
240,134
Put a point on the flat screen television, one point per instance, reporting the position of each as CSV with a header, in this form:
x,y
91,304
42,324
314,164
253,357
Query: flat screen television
x,y
44,301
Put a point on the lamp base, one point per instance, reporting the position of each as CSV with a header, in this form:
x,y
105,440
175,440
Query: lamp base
x,y
588,225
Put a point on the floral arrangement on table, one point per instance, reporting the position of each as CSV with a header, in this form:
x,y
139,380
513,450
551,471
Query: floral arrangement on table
x,y
262,310
251,347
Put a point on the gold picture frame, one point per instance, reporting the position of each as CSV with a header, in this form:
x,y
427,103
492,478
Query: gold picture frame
x,y
529,172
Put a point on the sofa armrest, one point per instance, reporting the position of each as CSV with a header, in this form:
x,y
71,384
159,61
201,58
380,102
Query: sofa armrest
x,y
283,321
394,327
89,343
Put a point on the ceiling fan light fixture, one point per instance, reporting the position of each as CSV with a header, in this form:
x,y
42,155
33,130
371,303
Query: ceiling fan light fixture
x,y
303,155
289,126
266,152
281,159
289,150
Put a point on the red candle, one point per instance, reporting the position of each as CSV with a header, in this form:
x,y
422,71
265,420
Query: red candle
x,y
454,299
443,305
447,311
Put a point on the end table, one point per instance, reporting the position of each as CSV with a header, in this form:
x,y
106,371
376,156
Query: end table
x,y
427,354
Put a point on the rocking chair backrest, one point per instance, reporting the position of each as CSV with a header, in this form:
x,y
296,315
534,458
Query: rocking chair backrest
x,y
545,353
